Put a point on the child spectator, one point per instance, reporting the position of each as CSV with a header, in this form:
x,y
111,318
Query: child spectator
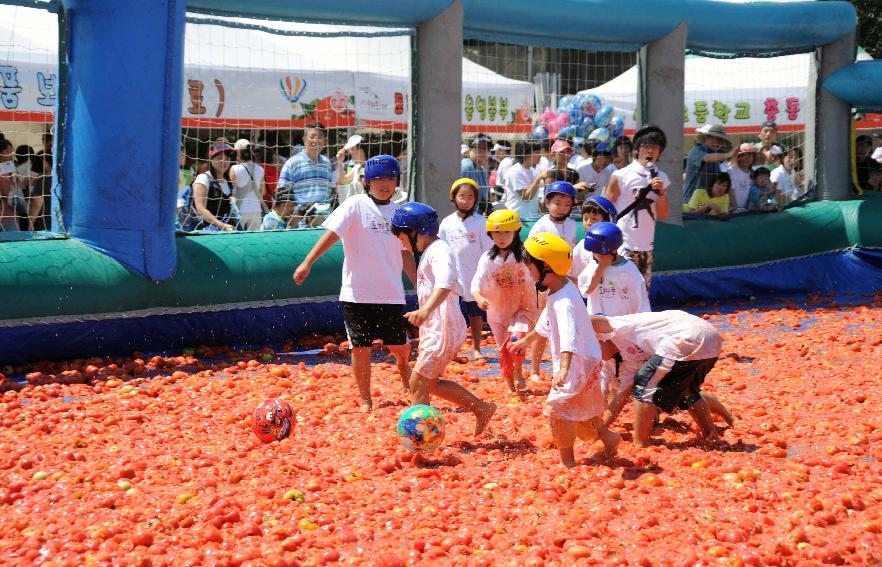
x,y
762,194
442,328
465,233
502,286
596,209
714,203
768,138
521,182
279,217
212,192
249,186
685,349
739,171
561,151
621,151
372,292
787,179
575,402
594,174
638,192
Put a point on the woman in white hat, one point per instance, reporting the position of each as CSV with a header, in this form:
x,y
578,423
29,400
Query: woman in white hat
x,y
349,172
249,185
703,161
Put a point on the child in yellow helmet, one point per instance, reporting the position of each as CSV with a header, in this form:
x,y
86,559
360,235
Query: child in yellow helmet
x,y
502,286
575,403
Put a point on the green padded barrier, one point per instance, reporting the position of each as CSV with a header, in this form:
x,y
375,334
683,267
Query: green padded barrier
x,y
63,277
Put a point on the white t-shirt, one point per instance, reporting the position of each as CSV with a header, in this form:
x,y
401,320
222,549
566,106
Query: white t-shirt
x,y
638,226
741,184
468,240
877,154
518,178
504,166
587,174
621,290
541,165
205,180
506,284
576,160
566,229
582,258
437,270
372,262
567,326
785,183
676,335
247,191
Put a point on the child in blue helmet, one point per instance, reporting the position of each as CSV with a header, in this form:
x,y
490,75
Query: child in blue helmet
x,y
442,327
372,292
595,209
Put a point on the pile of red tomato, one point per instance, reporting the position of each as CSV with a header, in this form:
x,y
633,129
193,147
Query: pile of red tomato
x,y
151,461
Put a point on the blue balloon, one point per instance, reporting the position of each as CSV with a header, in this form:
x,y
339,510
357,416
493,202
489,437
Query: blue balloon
x,y
587,122
604,115
540,132
604,146
563,103
594,103
600,134
617,126
568,131
575,115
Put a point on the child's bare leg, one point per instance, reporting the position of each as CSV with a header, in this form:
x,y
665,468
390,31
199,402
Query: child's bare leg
x,y
644,413
476,322
700,412
538,351
717,408
453,392
567,457
610,440
361,369
619,399
402,355
518,373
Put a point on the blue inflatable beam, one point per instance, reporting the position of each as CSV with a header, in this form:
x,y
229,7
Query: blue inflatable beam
x,y
723,27
122,128
361,12
859,84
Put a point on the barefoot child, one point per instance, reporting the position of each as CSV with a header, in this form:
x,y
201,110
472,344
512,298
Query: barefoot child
x,y
685,348
442,327
575,402
372,292
464,232
503,287
560,198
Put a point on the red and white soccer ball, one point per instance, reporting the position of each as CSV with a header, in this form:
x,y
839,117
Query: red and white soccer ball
x,y
272,420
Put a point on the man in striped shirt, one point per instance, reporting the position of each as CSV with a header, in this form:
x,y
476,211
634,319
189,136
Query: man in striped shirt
x,y
308,174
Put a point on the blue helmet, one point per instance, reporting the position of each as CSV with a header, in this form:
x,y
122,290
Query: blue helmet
x,y
603,238
604,204
416,216
381,167
562,187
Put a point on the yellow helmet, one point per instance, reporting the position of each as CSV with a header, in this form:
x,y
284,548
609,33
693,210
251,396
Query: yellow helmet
x,y
503,221
465,181
551,249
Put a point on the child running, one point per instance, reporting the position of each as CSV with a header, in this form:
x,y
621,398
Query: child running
x,y
575,402
684,350
464,232
372,292
502,286
560,198
442,327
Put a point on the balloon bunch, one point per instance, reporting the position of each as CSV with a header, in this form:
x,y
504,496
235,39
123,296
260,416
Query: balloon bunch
x,y
584,115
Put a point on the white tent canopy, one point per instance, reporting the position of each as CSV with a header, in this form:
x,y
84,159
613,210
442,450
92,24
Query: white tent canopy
x,y
739,93
250,78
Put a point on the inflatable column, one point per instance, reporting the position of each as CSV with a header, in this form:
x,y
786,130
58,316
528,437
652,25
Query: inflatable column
x,y
438,107
662,72
121,126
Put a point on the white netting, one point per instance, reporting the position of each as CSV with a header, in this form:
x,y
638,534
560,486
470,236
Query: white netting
x,y
528,102
265,82
28,82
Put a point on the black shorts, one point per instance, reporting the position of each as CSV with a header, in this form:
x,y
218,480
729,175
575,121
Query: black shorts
x,y
366,322
470,308
671,385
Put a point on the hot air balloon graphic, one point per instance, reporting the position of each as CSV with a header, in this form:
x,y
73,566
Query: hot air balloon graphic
x,y
292,89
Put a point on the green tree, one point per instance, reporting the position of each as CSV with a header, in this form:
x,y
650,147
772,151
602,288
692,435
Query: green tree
x,y
870,26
